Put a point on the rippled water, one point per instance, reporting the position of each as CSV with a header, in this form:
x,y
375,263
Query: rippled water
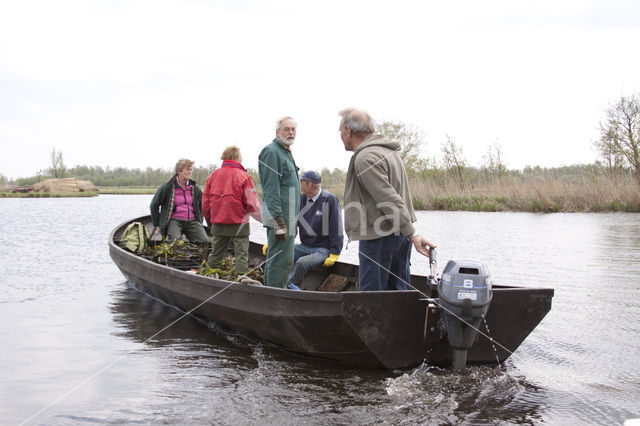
x,y
76,347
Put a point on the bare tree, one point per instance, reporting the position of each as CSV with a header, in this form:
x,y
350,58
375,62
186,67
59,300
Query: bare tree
x,y
410,137
57,169
453,160
620,134
613,160
494,161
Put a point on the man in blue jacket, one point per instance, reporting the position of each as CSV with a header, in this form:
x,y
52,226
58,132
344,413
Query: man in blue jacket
x,y
320,226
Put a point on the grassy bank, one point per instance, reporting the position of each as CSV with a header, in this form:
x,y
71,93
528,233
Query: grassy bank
x,y
128,190
47,195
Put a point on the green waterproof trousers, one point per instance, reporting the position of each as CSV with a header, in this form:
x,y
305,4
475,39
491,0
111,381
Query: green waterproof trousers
x,y
192,229
279,260
219,247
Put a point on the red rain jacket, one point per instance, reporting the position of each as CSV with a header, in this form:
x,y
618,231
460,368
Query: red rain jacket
x,y
230,196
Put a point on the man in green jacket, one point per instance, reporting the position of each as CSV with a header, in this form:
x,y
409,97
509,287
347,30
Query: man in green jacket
x,y
280,202
378,209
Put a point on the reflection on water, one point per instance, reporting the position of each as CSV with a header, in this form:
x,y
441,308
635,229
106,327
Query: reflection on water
x,y
303,387
80,346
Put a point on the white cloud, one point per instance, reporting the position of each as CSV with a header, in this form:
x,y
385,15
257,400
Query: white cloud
x,y
137,84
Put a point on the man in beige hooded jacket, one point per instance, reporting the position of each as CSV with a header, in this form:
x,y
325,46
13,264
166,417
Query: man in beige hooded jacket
x,y
378,210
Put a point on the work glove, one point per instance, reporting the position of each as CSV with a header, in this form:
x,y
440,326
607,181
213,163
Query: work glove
x,y
329,261
264,249
280,230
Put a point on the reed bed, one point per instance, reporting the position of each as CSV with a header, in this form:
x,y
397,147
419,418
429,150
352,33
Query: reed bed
x,y
541,194
537,194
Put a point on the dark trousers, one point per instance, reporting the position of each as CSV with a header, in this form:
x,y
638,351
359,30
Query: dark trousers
x,y
384,263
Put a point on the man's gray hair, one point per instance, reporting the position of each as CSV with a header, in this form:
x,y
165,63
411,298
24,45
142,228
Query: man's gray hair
x,y
280,120
359,121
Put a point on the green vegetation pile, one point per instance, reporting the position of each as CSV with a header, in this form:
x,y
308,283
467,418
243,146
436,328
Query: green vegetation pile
x,y
187,256
177,254
227,271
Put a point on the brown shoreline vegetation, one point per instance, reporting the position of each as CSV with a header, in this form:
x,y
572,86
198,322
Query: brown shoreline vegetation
x,y
517,194
544,196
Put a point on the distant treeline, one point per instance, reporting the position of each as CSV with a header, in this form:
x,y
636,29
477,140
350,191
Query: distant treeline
x,y
120,176
149,177
577,188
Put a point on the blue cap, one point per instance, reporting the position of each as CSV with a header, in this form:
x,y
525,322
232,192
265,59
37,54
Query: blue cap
x,y
311,176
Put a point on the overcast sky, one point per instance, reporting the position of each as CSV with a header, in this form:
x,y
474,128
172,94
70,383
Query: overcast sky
x,y
140,84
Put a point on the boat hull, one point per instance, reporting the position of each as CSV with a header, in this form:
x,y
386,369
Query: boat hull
x,y
394,329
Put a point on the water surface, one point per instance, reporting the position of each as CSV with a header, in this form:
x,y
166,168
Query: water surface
x,y
78,346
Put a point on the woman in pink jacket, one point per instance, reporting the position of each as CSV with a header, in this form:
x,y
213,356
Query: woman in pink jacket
x,y
229,198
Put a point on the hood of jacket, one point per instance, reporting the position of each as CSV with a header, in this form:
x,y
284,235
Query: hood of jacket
x,y
377,140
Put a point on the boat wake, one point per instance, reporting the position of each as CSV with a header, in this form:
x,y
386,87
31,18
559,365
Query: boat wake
x,y
434,395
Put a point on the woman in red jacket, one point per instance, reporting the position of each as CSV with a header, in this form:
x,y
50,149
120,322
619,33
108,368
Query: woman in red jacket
x,y
228,199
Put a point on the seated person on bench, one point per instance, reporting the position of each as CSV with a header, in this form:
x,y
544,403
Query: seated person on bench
x,y
320,226
176,208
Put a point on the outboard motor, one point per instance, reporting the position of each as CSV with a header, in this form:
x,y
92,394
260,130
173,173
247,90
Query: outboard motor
x,y
465,294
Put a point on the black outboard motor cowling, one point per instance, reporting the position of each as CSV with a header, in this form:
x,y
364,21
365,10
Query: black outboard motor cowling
x,y
465,294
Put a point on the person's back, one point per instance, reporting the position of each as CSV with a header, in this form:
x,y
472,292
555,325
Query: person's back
x,y
228,200
229,195
381,189
378,206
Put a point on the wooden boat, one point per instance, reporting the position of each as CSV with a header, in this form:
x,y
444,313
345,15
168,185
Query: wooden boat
x,y
387,329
